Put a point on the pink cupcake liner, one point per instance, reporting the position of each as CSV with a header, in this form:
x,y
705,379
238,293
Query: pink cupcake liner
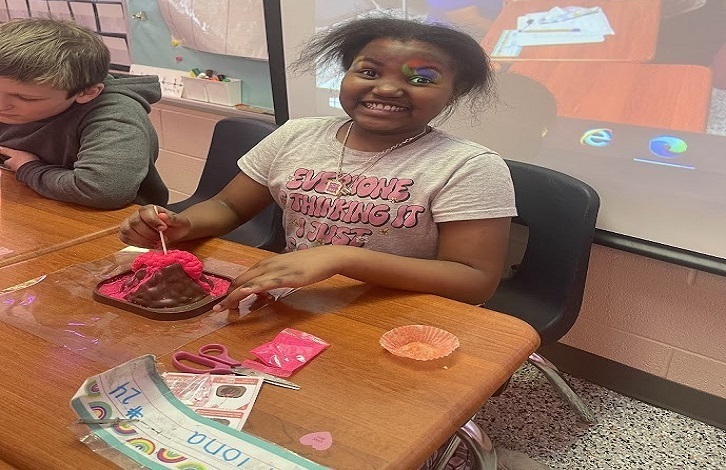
x,y
419,342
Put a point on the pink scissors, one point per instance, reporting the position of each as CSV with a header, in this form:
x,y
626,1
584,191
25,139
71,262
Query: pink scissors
x,y
215,359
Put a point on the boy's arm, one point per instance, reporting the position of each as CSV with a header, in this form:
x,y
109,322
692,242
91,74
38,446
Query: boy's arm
x,y
117,145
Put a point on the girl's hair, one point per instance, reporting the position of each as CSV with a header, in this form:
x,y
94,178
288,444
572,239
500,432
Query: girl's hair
x,y
52,52
340,45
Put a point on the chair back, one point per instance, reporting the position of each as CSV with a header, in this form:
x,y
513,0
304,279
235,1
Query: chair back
x,y
547,287
232,138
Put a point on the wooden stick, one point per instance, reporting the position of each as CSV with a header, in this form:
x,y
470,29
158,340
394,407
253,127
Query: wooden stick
x,y
161,234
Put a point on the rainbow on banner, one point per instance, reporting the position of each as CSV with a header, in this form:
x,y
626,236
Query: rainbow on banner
x,y
169,456
142,445
100,409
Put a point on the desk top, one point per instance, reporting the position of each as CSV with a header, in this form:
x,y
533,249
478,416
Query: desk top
x,y
383,412
31,225
669,96
635,24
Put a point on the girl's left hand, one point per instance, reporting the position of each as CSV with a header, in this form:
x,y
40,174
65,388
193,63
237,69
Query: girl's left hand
x,y
295,269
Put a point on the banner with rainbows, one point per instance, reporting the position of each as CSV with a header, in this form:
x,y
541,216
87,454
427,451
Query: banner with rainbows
x,y
165,433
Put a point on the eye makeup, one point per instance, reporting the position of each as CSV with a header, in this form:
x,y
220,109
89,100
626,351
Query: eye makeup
x,y
413,69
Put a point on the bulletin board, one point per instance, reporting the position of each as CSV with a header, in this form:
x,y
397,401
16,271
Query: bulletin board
x,y
106,17
227,36
161,37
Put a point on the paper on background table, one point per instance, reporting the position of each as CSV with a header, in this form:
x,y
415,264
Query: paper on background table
x,y
538,29
521,39
168,433
594,22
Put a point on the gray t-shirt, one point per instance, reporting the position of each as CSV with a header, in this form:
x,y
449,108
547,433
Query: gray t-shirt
x,y
394,207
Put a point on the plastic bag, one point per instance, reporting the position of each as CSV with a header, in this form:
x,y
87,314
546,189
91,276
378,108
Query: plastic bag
x,y
290,350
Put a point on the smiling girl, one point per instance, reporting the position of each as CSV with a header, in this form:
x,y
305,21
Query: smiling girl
x,y
380,195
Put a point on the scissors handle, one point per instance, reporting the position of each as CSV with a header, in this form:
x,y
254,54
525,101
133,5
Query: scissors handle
x,y
218,353
212,366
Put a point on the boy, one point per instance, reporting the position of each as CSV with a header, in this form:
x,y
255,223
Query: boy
x,y
68,129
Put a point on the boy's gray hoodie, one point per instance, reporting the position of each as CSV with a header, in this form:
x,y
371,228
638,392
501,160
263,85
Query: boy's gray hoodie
x,y
99,154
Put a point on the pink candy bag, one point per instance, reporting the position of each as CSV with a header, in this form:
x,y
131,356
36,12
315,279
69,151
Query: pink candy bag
x,y
290,350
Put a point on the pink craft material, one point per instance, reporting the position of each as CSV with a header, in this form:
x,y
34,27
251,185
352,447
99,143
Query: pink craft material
x,y
153,261
118,289
290,350
147,264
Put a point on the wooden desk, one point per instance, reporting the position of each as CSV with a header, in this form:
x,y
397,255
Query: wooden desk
x,y
635,24
32,225
670,96
384,412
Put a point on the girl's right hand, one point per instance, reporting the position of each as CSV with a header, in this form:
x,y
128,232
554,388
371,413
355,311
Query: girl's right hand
x,y
142,228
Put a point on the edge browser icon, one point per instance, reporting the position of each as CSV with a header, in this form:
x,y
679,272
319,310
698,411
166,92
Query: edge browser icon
x,y
667,146
597,137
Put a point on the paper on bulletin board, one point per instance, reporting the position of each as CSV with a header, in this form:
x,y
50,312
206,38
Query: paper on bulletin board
x,y
169,79
60,10
167,433
83,14
218,26
119,49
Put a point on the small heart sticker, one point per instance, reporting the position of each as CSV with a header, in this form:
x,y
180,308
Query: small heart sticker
x,y
318,440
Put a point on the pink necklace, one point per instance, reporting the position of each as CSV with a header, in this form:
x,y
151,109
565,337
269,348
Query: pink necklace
x,y
336,187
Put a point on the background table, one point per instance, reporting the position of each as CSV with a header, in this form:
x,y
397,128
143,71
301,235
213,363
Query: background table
x,y
384,412
669,96
635,24
31,225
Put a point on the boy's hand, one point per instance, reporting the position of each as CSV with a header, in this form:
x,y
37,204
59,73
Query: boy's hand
x,y
295,269
14,159
142,228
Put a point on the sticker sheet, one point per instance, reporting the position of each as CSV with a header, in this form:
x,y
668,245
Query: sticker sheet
x,y
226,399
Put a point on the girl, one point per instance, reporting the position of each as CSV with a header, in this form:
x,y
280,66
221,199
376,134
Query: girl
x,y
379,196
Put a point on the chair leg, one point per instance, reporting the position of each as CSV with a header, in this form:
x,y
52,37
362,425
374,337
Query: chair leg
x,y
440,463
479,445
562,387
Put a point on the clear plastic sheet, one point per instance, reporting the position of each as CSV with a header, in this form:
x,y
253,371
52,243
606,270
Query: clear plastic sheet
x,y
99,446
61,309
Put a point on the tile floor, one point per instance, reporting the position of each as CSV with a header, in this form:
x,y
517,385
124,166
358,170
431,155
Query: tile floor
x,y
530,417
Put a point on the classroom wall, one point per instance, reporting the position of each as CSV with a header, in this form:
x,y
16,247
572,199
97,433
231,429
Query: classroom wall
x,y
185,134
663,319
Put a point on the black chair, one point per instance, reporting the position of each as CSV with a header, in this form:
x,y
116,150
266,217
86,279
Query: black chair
x,y
546,288
232,138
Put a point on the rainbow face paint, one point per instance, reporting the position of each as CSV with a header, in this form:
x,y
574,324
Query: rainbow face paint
x,y
420,72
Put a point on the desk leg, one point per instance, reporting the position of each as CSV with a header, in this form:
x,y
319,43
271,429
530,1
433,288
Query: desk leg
x,y
481,448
